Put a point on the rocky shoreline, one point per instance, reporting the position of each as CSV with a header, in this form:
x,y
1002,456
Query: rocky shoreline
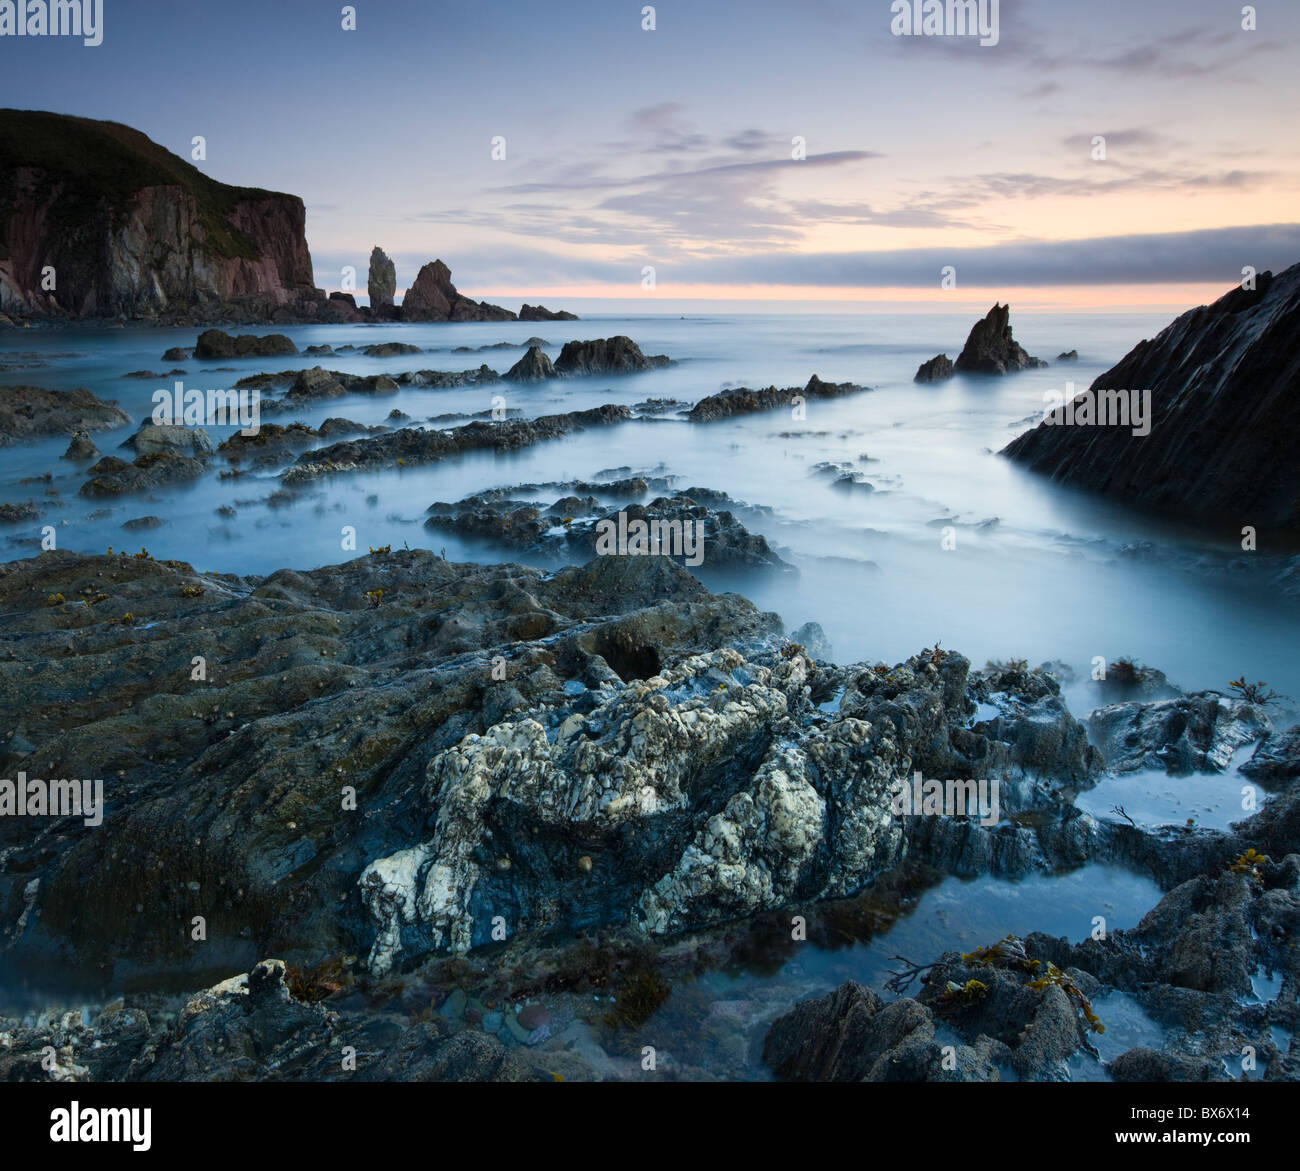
x,y
597,780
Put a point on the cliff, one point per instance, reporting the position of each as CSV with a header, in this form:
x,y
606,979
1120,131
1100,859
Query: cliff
x,y
1224,384
131,230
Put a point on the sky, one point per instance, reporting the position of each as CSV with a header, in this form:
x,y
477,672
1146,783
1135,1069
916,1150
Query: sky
x,y
673,148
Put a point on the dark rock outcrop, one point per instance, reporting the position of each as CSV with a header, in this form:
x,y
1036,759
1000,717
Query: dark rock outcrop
x,y
569,529
1223,429
115,477
1068,356
613,355
411,446
541,313
81,447
990,348
32,412
937,369
434,298
741,400
534,366
134,231
215,345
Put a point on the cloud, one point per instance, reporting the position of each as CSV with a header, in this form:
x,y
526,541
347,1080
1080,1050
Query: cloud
x,y
1214,256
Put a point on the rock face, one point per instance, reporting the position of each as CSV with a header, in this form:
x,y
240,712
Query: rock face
x,y
381,283
434,298
990,348
132,230
215,345
936,369
541,313
1223,425
613,355
741,400
534,366
32,412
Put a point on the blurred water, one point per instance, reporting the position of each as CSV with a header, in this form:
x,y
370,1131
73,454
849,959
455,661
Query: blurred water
x,y
1039,572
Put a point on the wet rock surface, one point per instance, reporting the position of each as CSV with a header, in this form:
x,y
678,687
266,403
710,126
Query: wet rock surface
x,y
412,446
32,412
571,527
743,401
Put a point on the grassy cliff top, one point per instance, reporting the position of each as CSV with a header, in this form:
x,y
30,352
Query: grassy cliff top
x,y
109,161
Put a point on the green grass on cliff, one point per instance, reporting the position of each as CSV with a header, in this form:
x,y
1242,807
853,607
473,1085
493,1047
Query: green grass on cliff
x,y
108,162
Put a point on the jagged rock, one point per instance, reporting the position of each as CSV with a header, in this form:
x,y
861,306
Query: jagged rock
x,y
1194,733
381,282
541,313
1222,427
937,369
434,298
742,401
613,355
32,412
990,348
1068,356
217,345
534,366
1277,758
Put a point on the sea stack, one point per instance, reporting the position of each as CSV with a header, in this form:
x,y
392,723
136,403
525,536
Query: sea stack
x,y
990,348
